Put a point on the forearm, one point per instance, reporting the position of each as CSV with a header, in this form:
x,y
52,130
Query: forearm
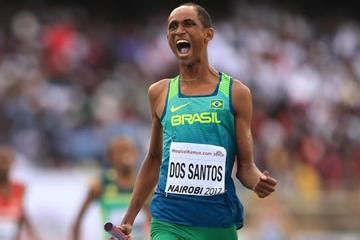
x,y
248,175
79,218
144,186
77,224
30,232
76,231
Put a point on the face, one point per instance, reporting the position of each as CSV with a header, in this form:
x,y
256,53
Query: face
x,y
6,161
123,155
186,35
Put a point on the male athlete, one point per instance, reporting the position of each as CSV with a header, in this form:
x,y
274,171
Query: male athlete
x,y
200,125
113,190
12,215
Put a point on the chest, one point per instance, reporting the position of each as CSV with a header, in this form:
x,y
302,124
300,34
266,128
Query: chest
x,y
197,111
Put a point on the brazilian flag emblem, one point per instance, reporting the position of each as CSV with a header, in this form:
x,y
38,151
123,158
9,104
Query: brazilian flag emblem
x,y
217,104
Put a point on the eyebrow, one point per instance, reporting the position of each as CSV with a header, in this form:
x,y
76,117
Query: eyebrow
x,y
186,19
173,21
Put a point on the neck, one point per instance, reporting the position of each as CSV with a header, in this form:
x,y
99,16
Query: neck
x,y
196,72
125,180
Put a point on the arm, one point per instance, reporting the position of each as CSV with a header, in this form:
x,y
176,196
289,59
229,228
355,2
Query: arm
x,y
28,227
94,192
25,226
247,172
149,171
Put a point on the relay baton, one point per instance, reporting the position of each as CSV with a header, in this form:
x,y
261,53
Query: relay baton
x,y
115,231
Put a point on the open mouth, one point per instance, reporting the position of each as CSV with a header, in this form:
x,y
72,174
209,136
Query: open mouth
x,y
183,46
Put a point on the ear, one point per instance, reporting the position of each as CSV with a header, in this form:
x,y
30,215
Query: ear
x,y
209,34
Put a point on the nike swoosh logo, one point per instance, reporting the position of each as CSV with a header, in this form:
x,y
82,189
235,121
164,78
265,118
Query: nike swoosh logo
x,y
174,109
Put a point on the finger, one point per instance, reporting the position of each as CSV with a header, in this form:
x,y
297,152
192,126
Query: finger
x,y
269,180
126,228
261,186
264,175
262,193
265,186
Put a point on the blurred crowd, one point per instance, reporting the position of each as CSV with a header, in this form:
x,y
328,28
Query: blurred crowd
x,y
69,83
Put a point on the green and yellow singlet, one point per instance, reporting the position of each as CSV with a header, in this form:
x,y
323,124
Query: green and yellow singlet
x,y
195,187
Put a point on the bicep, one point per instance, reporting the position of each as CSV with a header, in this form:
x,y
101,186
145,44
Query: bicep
x,y
157,99
155,148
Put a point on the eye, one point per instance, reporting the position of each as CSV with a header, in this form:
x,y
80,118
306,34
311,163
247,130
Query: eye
x,y
172,26
189,23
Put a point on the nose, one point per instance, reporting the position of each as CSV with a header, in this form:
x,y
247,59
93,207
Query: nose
x,y
180,30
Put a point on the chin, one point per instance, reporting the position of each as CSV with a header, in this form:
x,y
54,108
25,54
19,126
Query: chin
x,y
186,60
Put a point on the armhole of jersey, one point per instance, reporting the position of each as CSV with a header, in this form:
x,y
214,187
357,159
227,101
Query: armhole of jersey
x,y
166,100
105,179
226,89
231,107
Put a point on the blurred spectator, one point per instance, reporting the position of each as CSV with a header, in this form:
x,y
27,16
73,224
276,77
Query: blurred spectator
x,y
13,218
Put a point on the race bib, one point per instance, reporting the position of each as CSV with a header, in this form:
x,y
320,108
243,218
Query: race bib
x,y
196,169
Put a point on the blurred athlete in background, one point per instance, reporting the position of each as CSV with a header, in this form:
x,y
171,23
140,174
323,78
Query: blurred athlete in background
x,y
113,189
13,219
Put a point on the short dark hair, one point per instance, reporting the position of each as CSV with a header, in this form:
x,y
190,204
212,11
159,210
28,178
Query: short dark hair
x,y
203,15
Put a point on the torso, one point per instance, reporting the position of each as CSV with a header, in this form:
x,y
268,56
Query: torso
x,y
196,121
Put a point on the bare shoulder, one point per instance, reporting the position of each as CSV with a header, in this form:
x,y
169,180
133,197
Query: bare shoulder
x,y
240,89
158,87
241,97
95,187
157,95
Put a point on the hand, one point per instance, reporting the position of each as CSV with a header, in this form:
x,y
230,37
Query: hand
x,y
112,238
265,186
125,228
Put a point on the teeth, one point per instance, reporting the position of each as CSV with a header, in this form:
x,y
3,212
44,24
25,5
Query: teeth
x,y
181,41
184,50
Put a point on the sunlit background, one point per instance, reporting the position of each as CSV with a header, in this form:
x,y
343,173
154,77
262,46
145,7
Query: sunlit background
x,y
75,75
